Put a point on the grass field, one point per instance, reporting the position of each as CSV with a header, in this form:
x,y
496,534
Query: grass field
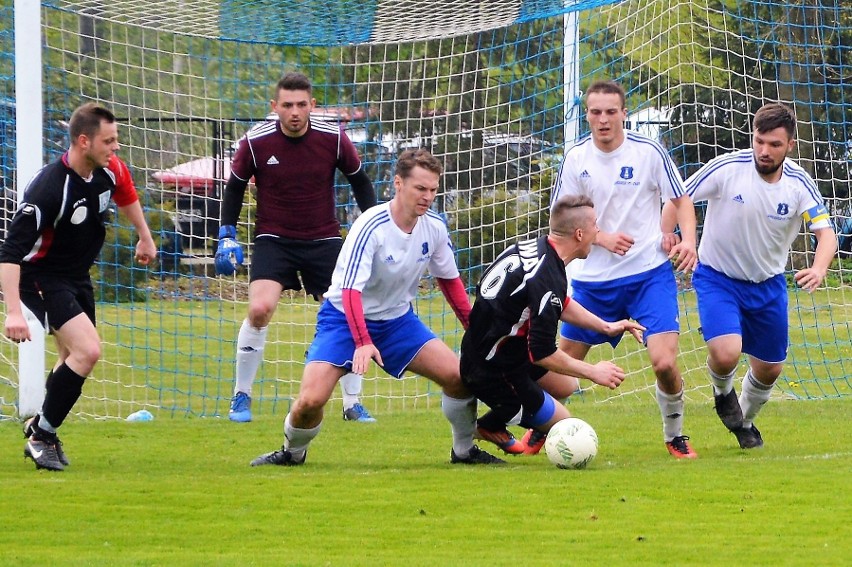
x,y
180,492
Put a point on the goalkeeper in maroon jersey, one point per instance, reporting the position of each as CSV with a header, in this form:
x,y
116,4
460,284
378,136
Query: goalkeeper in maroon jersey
x,y
55,237
296,234
510,345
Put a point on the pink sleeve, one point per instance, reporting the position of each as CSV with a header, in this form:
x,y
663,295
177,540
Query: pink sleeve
x,y
457,297
354,311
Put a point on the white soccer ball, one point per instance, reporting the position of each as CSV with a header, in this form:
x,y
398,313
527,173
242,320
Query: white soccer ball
x,y
571,444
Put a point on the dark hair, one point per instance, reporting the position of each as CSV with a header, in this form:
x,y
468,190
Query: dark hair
x,y
567,214
409,159
86,120
608,87
293,81
775,115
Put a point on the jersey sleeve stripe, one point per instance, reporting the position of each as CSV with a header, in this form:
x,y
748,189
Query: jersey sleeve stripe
x,y
673,176
360,245
796,172
713,165
262,129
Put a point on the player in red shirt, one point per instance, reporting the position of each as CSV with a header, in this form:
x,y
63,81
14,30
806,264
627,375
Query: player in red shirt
x,y
55,237
293,161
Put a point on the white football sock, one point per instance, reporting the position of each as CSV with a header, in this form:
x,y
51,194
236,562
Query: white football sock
x,y
722,383
297,440
462,417
350,386
250,343
671,408
752,398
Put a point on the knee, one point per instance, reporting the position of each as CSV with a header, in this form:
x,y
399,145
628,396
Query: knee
x,y
768,373
723,362
259,313
85,358
452,385
564,388
309,404
665,368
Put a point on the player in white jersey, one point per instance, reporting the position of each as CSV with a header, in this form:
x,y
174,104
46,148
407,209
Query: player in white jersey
x,y
628,273
756,200
368,316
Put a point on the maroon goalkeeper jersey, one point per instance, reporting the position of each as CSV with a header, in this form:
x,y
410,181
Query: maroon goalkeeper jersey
x,y
295,178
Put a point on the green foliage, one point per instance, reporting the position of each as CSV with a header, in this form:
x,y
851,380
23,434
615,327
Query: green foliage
x,y
116,277
493,221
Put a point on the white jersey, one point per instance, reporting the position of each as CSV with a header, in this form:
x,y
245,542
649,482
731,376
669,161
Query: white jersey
x,y
385,264
627,186
750,224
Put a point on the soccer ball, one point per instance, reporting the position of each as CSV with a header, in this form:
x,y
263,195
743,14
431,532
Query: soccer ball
x,y
571,444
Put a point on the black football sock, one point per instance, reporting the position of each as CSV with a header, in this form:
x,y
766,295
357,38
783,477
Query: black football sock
x,y
64,391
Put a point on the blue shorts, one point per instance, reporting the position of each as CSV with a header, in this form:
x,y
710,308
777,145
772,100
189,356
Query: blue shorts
x,y
757,312
398,340
649,298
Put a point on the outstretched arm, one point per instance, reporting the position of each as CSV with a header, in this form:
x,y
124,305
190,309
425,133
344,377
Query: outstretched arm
x,y
604,373
578,315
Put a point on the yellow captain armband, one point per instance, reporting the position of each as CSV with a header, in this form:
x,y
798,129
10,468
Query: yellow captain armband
x,y
816,215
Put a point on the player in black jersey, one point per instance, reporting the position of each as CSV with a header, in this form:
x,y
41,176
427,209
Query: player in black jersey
x,y
510,344
53,240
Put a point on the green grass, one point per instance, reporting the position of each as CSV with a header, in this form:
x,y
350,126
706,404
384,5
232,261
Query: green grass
x,y
180,492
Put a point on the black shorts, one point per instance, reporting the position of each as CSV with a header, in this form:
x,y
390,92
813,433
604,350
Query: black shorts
x,y
284,260
55,301
504,387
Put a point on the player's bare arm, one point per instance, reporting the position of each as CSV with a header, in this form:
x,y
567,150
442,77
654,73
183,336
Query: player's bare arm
x,y
811,278
684,252
604,373
613,329
146,250
15,328
362,357
576,314
668,224
616,242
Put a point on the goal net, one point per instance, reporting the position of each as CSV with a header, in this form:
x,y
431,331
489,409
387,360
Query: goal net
x,y
492,88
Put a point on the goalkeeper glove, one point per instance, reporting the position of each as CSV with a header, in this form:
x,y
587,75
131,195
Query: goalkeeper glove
x,y
229,253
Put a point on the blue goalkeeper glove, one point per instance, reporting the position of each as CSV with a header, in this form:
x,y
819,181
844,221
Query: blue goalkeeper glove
x,y
229,253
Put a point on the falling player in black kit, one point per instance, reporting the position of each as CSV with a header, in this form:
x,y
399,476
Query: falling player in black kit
x,y
55,237
510,344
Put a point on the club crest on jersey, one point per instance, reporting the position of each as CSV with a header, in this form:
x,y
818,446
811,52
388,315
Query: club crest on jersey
x,y
79,215
424,251
626,172
781,212
103,201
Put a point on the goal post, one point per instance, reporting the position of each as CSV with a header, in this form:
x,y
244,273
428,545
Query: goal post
x,y
492,88
28,158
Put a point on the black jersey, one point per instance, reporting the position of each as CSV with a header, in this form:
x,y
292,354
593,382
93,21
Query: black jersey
x,y
59,227
518,305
